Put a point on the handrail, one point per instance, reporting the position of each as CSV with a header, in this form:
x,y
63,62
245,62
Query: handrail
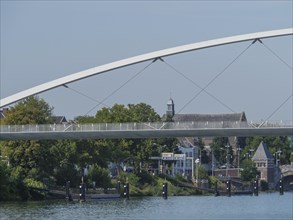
x,y
135,126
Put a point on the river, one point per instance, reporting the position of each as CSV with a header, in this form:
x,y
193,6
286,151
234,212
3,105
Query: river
x,y
265,206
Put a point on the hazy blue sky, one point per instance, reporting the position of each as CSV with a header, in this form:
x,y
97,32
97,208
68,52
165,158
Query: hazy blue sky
x,y
42,41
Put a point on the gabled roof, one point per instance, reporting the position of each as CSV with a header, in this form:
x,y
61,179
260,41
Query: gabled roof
x,y
210,117
262,152
59,119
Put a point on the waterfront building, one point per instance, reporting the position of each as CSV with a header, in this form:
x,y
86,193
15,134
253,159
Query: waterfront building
x,y
264,162
185,160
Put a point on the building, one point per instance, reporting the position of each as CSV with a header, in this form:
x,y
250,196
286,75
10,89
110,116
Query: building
x,y
264,162
170,108
226,119
59,120
183,161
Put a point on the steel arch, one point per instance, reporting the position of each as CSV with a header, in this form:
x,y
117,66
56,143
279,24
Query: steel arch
x,y
141,58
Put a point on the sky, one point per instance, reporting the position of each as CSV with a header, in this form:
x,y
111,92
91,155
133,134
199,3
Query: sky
x,y
45,40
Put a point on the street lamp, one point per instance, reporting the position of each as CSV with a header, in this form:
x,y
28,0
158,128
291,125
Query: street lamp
x,y
238,150
228,157
212,162
197,161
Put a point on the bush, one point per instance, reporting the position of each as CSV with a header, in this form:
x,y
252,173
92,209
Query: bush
x,y
100,176
264,185
29,182
145,177
180,178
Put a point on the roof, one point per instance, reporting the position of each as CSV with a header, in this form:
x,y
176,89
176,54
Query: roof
x,y
262,152
210,117
59,119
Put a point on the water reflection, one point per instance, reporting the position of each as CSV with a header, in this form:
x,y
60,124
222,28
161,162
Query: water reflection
x,y
265,206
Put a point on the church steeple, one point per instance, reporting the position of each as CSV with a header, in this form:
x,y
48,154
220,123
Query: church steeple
x,y
170,108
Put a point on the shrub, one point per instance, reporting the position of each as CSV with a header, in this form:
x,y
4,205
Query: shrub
x,y
264,185
100,176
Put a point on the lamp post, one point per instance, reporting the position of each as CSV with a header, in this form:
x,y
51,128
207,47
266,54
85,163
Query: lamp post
x,y
212,162
197,161
227,159
238,150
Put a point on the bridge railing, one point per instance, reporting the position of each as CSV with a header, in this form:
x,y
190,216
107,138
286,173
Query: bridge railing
x,y
271,124
131,126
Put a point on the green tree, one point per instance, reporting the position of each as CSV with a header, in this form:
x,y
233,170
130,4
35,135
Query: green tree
x,y
138,149
28,159
32,110
275,144
99,175
5,185
249,171
85,119
143,113
222,151
116,114
65,159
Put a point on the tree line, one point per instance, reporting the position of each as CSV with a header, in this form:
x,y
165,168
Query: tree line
x,y
25,164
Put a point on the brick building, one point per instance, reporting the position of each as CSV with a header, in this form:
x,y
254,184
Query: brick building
x,y
264,162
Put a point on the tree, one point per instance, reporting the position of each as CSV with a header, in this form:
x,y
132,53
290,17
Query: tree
x,y
222,152
275,144
85,119
99,175
65,160
5,185
138,149
249,171
30,111
143,113
28,159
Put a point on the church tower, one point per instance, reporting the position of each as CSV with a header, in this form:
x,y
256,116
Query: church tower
x,y
170,108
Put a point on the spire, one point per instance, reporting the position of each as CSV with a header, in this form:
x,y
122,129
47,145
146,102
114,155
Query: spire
x,y
170,107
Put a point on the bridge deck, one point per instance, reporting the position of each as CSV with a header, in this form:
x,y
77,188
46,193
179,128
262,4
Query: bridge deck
x,y
139,130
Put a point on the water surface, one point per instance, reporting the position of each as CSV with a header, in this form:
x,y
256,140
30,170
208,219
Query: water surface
x,y
265,206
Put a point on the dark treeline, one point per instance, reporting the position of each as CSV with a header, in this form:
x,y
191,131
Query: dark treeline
x,y
25,164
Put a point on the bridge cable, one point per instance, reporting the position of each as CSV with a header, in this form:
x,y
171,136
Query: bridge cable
x,y
280,106
276,55
198,86
103,101
85,95
120,87
215,77
287,65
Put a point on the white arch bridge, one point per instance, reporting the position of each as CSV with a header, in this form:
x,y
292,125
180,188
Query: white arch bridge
x,y
141,58
142,130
